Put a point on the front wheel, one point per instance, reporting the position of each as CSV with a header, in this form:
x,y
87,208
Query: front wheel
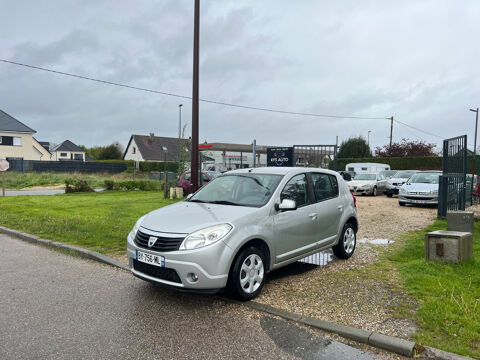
x,y
374,192
389,194
346,245
247,276
401,203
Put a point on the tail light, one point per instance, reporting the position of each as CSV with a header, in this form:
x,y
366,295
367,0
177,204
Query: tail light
x,y
354,199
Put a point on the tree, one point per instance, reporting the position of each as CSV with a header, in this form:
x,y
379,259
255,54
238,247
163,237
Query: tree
x,y
355,147
406,148
110,152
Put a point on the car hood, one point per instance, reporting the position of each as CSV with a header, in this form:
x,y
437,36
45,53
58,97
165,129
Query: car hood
x,y
419,187
397,180
361,182
186,217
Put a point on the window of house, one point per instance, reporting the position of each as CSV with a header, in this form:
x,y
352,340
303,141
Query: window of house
x,y
6,140
134,150
63,154
78,157
17,141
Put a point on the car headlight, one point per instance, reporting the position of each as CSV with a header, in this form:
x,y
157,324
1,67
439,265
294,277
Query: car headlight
x,y
403,191
433,192
205,236
134,231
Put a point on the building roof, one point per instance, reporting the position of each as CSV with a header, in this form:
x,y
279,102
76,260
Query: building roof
x,y
237,148
67,145
151,147
9,123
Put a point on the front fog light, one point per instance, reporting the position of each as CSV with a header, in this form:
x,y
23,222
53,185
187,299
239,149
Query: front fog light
x,y
192,277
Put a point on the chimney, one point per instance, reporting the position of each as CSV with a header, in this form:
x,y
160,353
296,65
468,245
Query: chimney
x,y
151,137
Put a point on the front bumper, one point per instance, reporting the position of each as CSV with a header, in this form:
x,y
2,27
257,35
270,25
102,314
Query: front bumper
x,y
424,199
210,264
358,191
391,189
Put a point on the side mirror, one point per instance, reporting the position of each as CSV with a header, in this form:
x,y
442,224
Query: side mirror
x,y
189,196
286,205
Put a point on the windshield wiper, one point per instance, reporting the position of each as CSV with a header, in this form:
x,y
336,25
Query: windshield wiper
x,y
223,202
256,180
199,201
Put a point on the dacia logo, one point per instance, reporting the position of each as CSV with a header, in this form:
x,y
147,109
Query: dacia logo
x,y
152,240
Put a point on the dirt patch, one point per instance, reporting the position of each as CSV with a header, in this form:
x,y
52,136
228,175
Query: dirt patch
x,y
52,187
354,292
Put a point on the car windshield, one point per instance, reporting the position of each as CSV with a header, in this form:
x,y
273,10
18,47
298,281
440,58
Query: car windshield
x,y
389,173
365,177
424,178
213,174
243,189
404,174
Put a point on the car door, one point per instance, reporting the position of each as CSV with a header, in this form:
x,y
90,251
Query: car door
x,y
296,231
329,206
381,183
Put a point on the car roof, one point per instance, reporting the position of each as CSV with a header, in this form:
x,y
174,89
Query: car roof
x,y
283,170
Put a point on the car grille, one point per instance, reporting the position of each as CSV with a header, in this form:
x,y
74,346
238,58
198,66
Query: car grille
x,y
418,198
157,272
162,244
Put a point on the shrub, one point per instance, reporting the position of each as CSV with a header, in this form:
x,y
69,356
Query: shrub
x,y
77,185
109,184
137,185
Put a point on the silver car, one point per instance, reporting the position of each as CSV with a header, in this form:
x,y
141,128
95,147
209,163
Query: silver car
x,y
400,178
421,188
242,225
368,184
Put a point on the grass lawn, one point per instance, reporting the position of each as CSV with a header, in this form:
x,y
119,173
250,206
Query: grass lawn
x,y
19,180
97,221
448,294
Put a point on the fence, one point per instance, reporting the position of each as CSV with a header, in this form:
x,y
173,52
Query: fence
x,y
65,166
322,156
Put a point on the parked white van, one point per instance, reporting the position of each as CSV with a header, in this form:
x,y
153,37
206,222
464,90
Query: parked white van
x,y
366,168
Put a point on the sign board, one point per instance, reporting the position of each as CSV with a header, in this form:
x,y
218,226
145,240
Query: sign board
x,y
4,165
280,156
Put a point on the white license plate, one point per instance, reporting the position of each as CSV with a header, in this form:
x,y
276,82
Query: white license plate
x,y
156,260
418,201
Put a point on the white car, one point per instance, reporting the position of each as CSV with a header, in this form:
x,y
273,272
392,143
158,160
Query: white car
x,y
368,184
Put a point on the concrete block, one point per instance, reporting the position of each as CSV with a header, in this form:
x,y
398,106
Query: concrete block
x,y
460,221
446,246
390,343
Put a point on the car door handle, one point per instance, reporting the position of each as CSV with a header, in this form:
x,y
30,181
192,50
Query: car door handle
x,y
340,207
313,216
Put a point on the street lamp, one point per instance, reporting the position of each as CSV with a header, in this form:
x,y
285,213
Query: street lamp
x,y
368,137
165,150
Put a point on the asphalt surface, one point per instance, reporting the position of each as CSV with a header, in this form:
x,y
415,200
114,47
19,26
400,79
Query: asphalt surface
x,y
55,306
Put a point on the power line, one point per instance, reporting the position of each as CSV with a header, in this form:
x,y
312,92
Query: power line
x,y
166,93
423,131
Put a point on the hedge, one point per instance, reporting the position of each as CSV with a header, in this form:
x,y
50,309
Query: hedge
x,y
145,166
408,163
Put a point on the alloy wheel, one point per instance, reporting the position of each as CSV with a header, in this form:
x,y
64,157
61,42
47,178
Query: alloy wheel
x,y
349,240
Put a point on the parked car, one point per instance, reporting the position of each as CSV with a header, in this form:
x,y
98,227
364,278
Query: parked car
x,y
421,188
242,225
368,184
185,183
388,174
398,180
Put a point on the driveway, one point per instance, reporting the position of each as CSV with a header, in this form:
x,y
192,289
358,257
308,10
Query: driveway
x,y
55,306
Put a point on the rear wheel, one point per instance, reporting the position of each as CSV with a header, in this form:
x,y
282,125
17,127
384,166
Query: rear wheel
x,y
247,275
346,245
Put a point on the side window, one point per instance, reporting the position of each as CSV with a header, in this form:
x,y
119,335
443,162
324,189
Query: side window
x,y
325,186
296,189
205,178
187,176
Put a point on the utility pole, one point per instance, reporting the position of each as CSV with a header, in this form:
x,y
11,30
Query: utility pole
x,y
180,132
195,91
391,130
368,138
254,153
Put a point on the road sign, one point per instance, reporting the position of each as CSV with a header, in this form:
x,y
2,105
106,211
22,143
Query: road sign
x,y
4,165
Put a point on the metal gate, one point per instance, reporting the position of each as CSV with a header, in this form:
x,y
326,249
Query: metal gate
x,y
321,156
451,192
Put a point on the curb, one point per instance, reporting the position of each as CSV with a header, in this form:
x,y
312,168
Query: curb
x,y
389,343
84,253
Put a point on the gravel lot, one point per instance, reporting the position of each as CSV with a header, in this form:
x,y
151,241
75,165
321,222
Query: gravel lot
x,y
352,292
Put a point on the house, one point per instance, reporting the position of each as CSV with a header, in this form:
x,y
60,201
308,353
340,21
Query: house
x,y
17,141
154,148
67,150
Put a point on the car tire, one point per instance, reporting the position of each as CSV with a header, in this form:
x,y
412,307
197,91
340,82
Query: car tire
x,y
374,192
347,242
248,274
389,195
401,203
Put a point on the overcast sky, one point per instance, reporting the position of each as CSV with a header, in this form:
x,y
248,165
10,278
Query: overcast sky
x,y
416,60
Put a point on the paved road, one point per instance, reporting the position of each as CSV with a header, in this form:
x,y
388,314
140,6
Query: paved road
x,y
55,306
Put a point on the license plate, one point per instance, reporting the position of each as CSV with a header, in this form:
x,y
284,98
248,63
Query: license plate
x,y
418,201
156,260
